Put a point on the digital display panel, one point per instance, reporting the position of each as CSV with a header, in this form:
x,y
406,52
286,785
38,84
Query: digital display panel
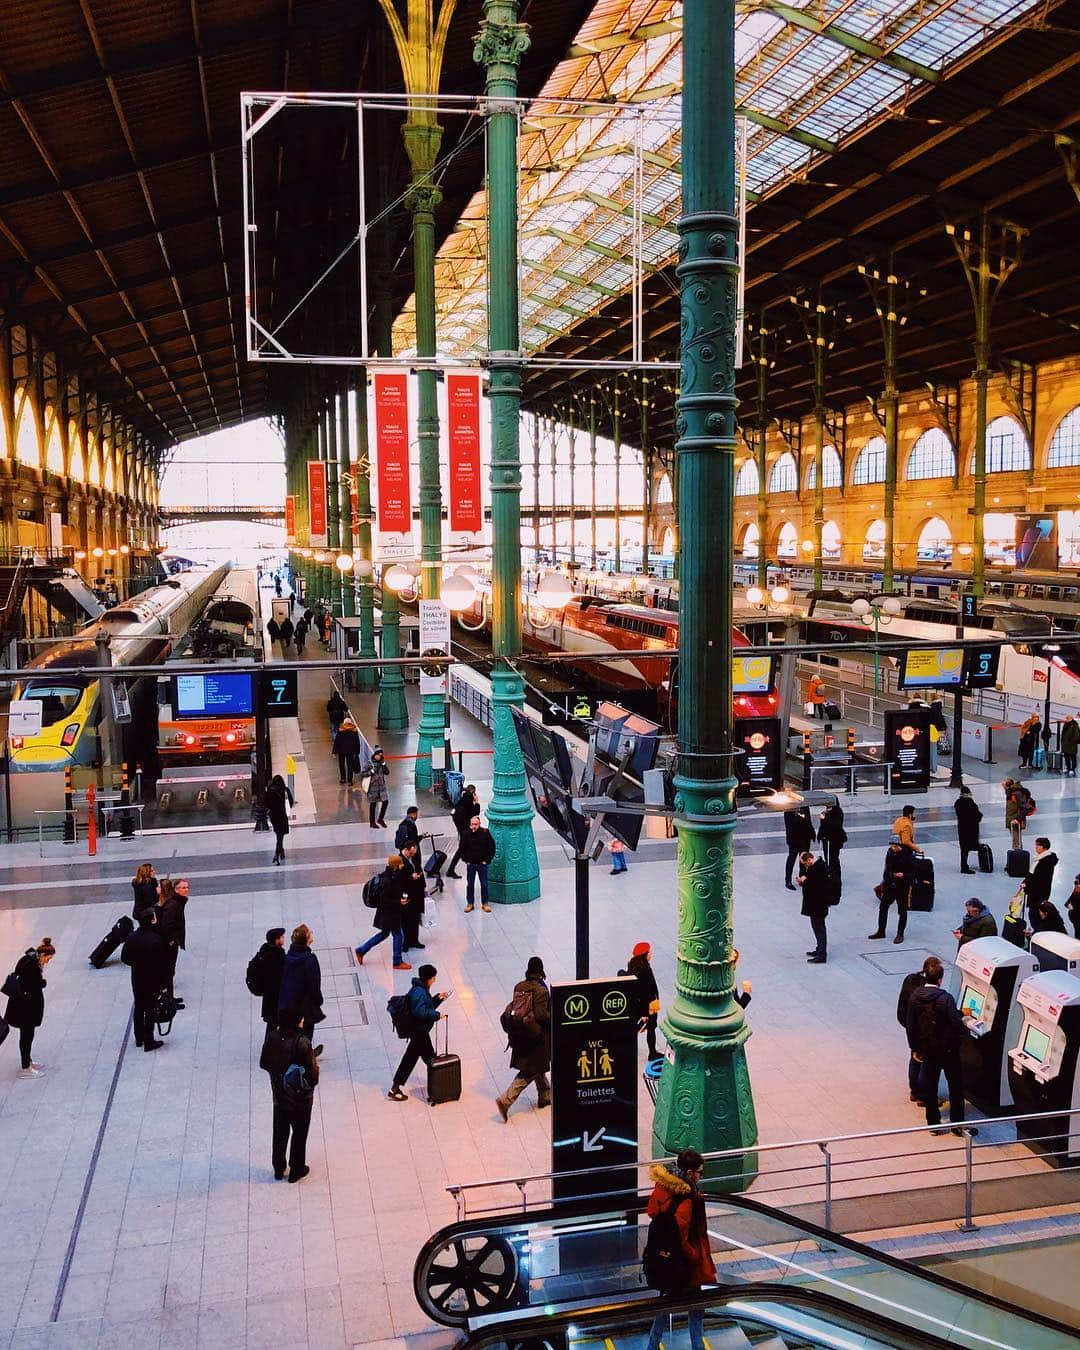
x,y
972,1002
932,668
214,695
751,674
1036,1044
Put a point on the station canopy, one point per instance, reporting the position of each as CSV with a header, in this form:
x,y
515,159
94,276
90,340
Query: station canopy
x,y
868,126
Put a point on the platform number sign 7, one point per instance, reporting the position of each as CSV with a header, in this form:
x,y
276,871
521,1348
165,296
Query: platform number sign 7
x,y
277,693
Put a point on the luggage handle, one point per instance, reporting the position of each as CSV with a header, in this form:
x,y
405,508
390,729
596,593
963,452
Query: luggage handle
x,y
445,1020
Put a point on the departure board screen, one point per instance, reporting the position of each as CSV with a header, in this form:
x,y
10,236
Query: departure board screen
x,y
214,695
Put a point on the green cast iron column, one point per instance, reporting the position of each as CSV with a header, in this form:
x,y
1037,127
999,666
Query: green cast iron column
x,y
891,400
705,1100
515,872
345,469
616,433
818,339
333,505
366,679
592,479
762,358
981,295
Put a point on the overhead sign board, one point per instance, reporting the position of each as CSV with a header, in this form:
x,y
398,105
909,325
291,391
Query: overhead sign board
x,y
932,668
214,694
277,693
594,1086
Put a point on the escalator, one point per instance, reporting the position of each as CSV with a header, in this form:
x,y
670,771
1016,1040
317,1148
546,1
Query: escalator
x,y
571,1275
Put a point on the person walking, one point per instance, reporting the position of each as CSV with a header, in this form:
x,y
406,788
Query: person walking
x,y
378,798
292,1064
526,1019
144,887
26,1007
977,922
1039,882
647,995
832,836
894,889
285,632
300,633
301,980
677,1193
467,806
423,1014
1072,906
968,817
1070,743
477,850
904,827
407,832
390,903
935,1030
147,955
273,630
336,712
799,835
617,849
347,749
814,880
269,966
278,800
172,925
414,883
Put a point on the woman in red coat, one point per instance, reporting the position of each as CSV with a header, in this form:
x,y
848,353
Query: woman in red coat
x,y
678,1191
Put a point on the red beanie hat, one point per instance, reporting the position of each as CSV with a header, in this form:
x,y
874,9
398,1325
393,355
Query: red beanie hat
x,y
642,949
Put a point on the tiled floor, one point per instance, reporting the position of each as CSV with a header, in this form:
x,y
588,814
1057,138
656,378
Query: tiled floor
x,y
184,1238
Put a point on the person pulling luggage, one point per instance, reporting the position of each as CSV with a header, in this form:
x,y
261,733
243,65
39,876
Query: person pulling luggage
x,y
526,1019
423,1012
968,817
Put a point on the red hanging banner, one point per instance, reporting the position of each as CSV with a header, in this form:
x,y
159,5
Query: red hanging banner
x,y
463,432
392,453
316,480
290,519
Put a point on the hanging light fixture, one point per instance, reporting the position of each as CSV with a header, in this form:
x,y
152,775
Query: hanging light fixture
x,y
364,567
554,591
343,562
457,592
397,578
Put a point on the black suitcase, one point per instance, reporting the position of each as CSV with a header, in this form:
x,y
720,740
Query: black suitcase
x,y
1017,863
1014,931
922,887
121,929
444,1074
986,858
435,863
832,712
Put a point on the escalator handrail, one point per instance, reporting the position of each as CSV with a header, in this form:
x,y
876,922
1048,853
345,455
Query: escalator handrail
x,y
582,1209
538,1327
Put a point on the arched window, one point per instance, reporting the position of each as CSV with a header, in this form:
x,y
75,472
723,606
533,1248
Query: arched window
x,y
667,544
833,469
873,549
751,541
27,450
787,545
870,466
830,539
1007,449
663,490
784,476
1065,442
747,480
54,449
93,465
935,542
77,468
110,470
932,456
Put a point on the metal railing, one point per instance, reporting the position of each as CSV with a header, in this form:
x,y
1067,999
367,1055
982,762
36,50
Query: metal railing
x,y
829,1169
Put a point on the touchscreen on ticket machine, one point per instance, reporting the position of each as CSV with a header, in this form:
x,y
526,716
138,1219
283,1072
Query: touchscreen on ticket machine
x,y
991,971
1043,1065
1055,951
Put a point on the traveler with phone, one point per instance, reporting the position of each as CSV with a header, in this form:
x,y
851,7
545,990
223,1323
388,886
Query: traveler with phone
x,y
423,1014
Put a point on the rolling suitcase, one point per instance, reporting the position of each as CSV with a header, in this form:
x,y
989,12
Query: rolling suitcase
x,y
1017,862
1014,931
121,929
922,888
444,1073
986,858
832,712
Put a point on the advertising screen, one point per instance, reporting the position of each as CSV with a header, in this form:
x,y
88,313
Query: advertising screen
x,y
1036,541
907,747
214,695
932,668
761,763
751,674
972,1002
1036,1044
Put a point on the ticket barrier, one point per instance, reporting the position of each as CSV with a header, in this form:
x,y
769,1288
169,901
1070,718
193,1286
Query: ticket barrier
x,y
1043,1065
991,972
1055,951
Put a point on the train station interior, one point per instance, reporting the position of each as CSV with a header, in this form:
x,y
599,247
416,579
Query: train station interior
x,y
630,448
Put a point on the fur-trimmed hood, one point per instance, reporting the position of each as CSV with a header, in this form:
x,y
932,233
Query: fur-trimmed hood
x,y
670,1181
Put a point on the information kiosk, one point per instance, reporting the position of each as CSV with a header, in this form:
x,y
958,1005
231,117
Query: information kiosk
x,y
1043,1065
991,973
1055,951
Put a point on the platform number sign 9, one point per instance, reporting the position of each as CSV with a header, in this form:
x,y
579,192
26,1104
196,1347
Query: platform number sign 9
x,y
277,693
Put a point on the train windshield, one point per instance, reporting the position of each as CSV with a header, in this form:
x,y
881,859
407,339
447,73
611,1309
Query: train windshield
x,y
57,700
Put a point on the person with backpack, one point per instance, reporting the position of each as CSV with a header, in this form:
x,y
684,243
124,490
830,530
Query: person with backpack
x,y
678,1259
935,1030
264,971
25,988
647,995
293,1066
526,1019
148,956
278,800
407,832
301,979
385,894
419,1015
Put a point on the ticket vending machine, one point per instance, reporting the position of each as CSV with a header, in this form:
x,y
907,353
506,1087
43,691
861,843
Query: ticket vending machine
x,y
1055,951
991,972
1043,1065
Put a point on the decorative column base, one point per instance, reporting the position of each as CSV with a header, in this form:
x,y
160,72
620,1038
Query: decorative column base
x,y
393,714
430,733
514,875
705,1101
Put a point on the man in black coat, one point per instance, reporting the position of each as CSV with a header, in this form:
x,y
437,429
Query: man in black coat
x,y
1040,880
415,887
527,1023
816,896
897,878
468,806
301,980
477,849
390,902
935,1030
271,958
408,832
286,1044
147,955
968,817
799,834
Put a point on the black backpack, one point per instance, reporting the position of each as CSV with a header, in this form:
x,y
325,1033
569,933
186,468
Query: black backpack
x,y
401,1015
932,1029
372,890
255,978
663,1263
